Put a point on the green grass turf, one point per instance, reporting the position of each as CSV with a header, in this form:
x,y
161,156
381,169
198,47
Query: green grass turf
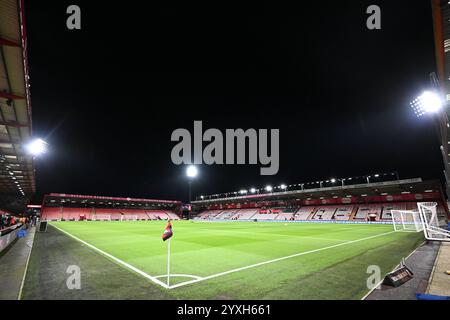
x,y
207,248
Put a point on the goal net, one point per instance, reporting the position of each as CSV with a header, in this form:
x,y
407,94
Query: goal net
x,y
102,217
406,220
432,228
128,217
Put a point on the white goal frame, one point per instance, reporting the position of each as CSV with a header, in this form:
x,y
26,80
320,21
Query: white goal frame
x,y
406,220
128,217
430,220
101,217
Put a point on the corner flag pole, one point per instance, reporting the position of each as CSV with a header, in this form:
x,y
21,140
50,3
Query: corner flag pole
x,y
168,264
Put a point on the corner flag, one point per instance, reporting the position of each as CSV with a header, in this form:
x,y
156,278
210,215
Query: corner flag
x,y
168,232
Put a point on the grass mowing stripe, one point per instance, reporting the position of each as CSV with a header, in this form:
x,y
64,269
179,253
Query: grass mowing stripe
x,y
123,263
275,260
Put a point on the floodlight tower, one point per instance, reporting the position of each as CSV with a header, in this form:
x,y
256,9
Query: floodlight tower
x,y
191,173
434,103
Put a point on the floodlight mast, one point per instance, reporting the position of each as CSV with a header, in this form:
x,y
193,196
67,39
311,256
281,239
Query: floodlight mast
x,y
434,102
191,173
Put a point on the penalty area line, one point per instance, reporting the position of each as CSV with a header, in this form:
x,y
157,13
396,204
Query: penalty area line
x,y
276,260
121,262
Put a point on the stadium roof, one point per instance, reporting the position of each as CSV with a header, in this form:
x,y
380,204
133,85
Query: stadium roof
x,y
368,189
62,199
17,178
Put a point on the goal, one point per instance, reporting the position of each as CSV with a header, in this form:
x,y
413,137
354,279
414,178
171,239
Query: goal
x,y
431,225
128,217
102,217
406,220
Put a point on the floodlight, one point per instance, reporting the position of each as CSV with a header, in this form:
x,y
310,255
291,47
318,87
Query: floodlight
x,y
243,191
252,190
333,180
191,171
283,186
269,188
36,147
427,102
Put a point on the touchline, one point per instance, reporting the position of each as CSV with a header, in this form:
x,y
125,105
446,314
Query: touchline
x,y
235,139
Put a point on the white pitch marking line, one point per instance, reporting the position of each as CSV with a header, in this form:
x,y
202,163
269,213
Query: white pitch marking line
x,y
129,266
275,260
179,275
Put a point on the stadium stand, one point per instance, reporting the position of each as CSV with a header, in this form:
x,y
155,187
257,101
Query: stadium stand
x,y
74,207
363,212
172,215
209,214
226,214
359,200
324,213
287,214
303,213
50,213
386,212
343,213
74,213
265,215
245,214
369,210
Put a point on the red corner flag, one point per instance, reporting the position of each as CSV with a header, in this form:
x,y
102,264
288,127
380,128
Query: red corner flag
x,y
168,232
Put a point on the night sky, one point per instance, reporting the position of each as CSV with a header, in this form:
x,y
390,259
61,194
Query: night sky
x,y
107,97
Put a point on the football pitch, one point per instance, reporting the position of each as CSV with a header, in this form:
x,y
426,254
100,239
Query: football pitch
x,y
221,260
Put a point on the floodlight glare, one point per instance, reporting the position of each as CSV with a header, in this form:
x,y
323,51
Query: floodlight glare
x,y
269,188
252,190
333,180
36,147
243,191
191,171
427,102
283,186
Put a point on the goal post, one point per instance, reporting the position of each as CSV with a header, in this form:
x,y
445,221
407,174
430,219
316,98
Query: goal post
x,y
102,217
128,217
431,226
406,220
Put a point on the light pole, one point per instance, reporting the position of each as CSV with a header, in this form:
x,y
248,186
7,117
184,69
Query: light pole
x,y
191,173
